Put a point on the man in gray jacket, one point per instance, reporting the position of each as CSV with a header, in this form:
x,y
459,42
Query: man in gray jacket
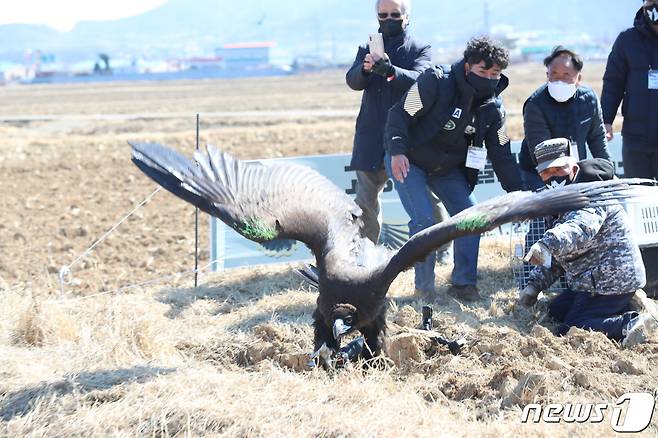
x,y
383,82
596,251
560,108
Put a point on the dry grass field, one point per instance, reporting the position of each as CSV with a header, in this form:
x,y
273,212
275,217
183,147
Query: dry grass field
x,y
228,358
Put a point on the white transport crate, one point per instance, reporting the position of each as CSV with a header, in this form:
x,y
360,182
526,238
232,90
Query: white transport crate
x,y
522,236
643,214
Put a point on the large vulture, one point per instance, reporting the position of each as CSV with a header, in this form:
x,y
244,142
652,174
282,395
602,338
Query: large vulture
x,y
264,202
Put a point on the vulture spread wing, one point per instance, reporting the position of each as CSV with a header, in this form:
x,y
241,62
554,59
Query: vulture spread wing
x,y
516,206
261,202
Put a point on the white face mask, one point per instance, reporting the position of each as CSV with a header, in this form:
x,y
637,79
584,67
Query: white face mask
x,y
561,91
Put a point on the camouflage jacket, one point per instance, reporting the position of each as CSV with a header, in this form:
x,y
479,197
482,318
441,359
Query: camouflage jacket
x,y
595,249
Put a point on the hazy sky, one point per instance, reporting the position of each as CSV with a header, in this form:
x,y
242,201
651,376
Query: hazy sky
x,y
63,14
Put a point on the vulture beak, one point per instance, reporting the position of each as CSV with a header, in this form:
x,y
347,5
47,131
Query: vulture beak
x,y
340,328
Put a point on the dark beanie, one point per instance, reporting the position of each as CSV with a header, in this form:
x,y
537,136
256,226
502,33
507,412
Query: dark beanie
x,y
595,169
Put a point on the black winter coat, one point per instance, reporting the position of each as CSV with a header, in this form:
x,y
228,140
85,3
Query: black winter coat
x,y
409,58
578,119
429,125
626,78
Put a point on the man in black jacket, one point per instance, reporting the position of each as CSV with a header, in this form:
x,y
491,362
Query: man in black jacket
x,y
631,75
383,82
435,139
561,108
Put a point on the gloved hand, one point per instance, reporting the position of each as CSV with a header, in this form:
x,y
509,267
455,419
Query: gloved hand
x,y
528,296
538,255
383,66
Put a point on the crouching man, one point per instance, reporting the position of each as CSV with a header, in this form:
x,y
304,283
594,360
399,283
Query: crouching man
x,y
595,249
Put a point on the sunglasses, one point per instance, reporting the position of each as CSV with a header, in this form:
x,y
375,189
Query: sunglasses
x,y
385,15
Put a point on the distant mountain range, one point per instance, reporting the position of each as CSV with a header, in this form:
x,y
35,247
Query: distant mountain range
x,y
327,28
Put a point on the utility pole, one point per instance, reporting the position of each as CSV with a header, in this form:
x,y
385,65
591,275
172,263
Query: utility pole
x,y
334,51
487,16
318,47
196,222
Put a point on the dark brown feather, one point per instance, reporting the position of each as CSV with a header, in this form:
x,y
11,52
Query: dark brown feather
x,y
285,201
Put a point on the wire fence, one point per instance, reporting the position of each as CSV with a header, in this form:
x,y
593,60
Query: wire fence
x,y
522,236
65,274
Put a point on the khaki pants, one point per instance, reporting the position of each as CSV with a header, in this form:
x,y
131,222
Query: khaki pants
x,y
369,186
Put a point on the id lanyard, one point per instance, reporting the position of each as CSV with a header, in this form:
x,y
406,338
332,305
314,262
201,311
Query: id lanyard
x,y
476,157
652,79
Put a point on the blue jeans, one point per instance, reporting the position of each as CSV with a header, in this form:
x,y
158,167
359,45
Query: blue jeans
x,y
455,192
603,313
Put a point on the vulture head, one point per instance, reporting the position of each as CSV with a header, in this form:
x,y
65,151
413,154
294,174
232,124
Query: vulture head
x,y
265,202
344,320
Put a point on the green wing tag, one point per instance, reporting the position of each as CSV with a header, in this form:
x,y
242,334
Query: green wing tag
x,y
258,230
473,222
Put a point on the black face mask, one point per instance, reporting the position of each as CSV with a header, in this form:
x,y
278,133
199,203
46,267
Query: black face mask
x,y
390,28
652,14
558,181
484,88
